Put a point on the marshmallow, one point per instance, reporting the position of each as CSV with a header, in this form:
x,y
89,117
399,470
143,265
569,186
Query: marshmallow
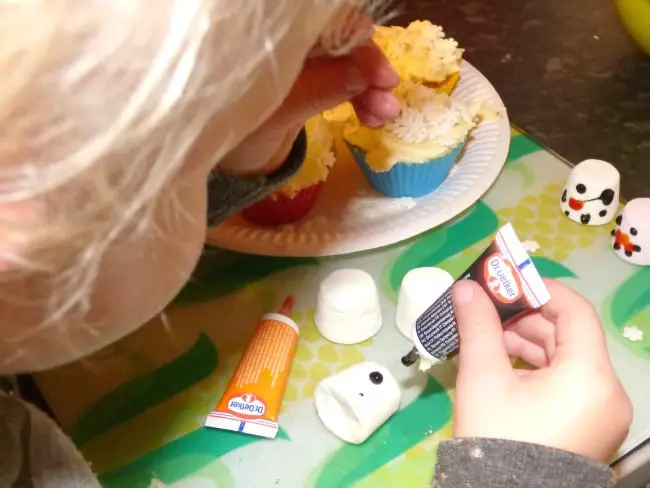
x,y
355,402
420,288
347,310
591,194
631,237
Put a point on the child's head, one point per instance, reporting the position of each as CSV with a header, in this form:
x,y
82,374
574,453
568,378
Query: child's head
x,y
112,114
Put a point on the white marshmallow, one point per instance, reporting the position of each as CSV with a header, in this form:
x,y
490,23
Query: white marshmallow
x,y
592,193
420,288
347,310
631,238
355,402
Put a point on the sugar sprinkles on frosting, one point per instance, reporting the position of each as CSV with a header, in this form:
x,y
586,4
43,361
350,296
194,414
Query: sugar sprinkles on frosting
x,y
428,116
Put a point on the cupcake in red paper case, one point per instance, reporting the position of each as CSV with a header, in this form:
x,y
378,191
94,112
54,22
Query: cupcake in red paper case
x,y
297,197
421,52
412,155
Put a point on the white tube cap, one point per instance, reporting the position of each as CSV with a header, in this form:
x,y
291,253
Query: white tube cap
x,y
420,288
347,309
355,402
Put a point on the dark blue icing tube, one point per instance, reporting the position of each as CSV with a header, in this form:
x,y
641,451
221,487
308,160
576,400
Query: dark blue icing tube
x,y
505,271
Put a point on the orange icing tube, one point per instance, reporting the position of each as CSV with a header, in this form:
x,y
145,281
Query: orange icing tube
x,y
252,400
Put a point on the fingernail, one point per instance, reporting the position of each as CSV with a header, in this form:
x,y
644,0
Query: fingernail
x,y
392,106
463,292
354,79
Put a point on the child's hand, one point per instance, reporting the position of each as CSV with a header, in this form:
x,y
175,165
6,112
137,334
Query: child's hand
x,y
574,401
363,77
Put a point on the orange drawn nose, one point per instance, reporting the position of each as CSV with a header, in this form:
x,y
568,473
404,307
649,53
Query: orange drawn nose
x,y
623,239
576,204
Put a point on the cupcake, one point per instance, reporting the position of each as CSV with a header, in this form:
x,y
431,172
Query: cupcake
x,y
296,198
421,53
413,154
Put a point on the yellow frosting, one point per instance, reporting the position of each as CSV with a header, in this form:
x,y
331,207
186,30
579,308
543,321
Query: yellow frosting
x,y
420,52
429,126
319,158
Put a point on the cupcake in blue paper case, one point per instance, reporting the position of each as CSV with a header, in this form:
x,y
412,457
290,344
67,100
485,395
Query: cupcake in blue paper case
x,y
412,155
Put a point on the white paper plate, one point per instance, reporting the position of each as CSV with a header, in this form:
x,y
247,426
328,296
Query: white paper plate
x,y
350,216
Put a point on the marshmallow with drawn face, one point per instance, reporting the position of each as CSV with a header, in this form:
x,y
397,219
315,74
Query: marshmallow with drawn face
x,y
355,402
347,308
591,195
631,237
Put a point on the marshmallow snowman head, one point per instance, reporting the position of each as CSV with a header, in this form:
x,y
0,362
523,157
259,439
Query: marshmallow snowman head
x,y
355,402
631,237
591,195
347,307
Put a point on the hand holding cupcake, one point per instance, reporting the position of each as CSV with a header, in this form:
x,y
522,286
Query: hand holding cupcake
x,y
412,155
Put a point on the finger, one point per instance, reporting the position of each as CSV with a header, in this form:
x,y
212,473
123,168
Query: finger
x,y
364,115
380,103
536,329
375,66
579,332
518,347
320,87
521,372
482,348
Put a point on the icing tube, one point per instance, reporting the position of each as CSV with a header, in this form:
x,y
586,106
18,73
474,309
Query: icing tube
x,y
506,273
251,402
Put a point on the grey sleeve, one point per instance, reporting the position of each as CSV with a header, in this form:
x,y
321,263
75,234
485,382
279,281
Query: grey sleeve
x,y
35,453
495,463
228,194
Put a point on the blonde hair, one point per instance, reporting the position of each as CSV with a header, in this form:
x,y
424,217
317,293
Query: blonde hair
x,y
101,101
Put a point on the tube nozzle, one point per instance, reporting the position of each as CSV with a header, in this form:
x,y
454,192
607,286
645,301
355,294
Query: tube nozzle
x,y
287,307
411,358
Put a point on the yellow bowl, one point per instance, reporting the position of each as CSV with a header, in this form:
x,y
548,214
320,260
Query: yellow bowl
x,y
635,15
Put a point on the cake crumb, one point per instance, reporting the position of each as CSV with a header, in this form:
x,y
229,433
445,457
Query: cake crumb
x,y
633,333
425,365
530,246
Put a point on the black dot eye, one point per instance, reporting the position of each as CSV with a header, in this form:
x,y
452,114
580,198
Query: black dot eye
x,y
580,188
619,220
376,377
607,196
633,231
361,394
602,213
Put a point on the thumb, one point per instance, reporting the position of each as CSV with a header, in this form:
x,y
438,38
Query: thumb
x,y
482,347
319,87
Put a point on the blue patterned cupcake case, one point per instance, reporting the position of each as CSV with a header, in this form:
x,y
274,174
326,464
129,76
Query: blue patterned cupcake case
x,y
405,179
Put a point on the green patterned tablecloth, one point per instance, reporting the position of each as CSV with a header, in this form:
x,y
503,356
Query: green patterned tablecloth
x,y
137,408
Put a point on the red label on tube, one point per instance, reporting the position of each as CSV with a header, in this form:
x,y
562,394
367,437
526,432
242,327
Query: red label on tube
x,y
506,273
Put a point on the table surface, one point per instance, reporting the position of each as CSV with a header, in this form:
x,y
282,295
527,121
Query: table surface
x,y
137,408
567,71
